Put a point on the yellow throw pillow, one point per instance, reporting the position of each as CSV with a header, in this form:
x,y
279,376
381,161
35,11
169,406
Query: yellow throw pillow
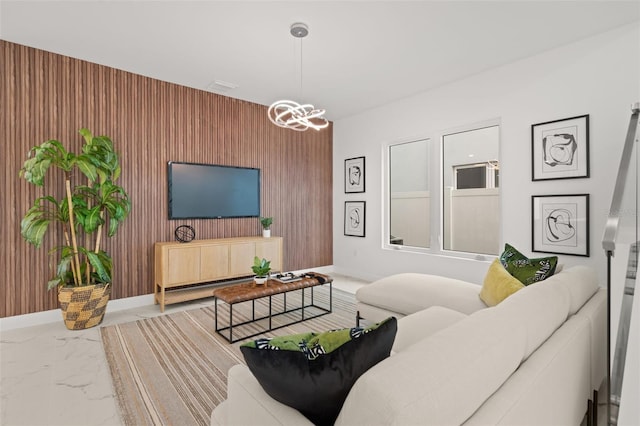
x,y
498,284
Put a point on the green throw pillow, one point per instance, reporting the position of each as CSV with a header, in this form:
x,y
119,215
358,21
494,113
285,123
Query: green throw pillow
x,y
311,344
314,372
527,271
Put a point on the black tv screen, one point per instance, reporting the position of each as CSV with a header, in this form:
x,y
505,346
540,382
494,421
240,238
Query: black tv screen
x,y
208,191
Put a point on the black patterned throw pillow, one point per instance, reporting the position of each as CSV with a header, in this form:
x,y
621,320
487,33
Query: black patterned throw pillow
x,y
314,372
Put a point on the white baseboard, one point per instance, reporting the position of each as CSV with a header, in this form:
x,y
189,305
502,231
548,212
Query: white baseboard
x,y
54,315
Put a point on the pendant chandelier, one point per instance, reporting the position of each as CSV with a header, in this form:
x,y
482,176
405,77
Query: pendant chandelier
x,y
290,114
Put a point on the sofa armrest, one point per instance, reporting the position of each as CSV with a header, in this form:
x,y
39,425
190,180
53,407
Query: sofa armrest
x,y
248,404
422,324
412,292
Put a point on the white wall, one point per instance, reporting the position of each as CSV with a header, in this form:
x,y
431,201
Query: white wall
x,y
598,76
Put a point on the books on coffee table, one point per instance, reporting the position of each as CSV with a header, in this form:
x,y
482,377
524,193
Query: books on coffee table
x,y
286,277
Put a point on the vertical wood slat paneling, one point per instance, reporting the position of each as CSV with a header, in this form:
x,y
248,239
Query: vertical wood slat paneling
x,y
48,96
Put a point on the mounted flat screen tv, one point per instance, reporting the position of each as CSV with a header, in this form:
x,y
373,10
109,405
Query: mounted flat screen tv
x,y
209,191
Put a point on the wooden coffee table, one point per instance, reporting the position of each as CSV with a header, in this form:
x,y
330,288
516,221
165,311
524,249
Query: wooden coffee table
x,y
250,292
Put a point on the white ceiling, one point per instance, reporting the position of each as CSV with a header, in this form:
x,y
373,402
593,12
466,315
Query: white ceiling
x,y
358,55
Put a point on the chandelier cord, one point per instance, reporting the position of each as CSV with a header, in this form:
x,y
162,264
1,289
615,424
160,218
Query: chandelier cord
x,y
300,69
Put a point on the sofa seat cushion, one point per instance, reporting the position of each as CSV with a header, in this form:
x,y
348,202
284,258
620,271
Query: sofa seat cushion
x,y
422,324
407,293
248,404
312,372
440,380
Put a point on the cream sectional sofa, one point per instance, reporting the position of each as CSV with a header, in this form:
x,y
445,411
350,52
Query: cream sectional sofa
x,y
533,359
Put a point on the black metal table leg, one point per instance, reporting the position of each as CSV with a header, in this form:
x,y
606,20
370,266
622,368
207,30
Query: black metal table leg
x,y
270,313
215,304
231,323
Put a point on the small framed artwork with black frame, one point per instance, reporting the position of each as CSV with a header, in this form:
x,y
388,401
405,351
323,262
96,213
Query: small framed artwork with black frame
x,y
560,224
354,175
560,149
354,218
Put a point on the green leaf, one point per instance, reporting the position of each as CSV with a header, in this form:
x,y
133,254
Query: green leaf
x,y
34,231
34,170
92,219
87,168
86,134
64,266
98,265
53,283
116,172
113,227
261,267
102,174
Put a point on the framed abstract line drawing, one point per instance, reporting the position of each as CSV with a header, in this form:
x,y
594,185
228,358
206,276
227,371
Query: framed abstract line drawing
x,y
560,224
354,175
354,215
560,149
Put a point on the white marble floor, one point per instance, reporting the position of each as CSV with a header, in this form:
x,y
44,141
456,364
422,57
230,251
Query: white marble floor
x,y
52,376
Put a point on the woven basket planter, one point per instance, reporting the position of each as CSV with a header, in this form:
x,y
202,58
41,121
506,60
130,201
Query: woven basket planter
x,y
83,307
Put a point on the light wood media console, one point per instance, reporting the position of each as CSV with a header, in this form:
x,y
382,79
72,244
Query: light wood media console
x,y
207,261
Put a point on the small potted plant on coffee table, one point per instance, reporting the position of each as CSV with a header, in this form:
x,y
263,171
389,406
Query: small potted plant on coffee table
x,y
261,267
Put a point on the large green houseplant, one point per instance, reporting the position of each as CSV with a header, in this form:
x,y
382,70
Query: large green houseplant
x,y
92,204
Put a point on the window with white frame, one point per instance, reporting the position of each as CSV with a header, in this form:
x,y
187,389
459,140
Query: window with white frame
x,y
470,190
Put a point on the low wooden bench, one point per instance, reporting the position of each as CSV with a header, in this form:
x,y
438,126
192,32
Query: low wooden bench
x,y
250,292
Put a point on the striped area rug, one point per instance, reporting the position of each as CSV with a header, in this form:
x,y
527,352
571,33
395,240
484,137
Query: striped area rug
x,y
172,369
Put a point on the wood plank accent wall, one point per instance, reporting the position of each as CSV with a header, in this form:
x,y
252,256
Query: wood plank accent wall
x,y
48,96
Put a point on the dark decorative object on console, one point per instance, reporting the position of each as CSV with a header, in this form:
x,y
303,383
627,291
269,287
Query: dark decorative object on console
x,y
185,233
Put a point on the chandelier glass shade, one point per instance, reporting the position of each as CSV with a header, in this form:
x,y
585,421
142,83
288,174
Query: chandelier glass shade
x,y
290,114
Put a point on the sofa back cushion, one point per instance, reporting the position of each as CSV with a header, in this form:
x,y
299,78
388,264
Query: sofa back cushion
x,y
549,388
581,282
439,380
544,306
